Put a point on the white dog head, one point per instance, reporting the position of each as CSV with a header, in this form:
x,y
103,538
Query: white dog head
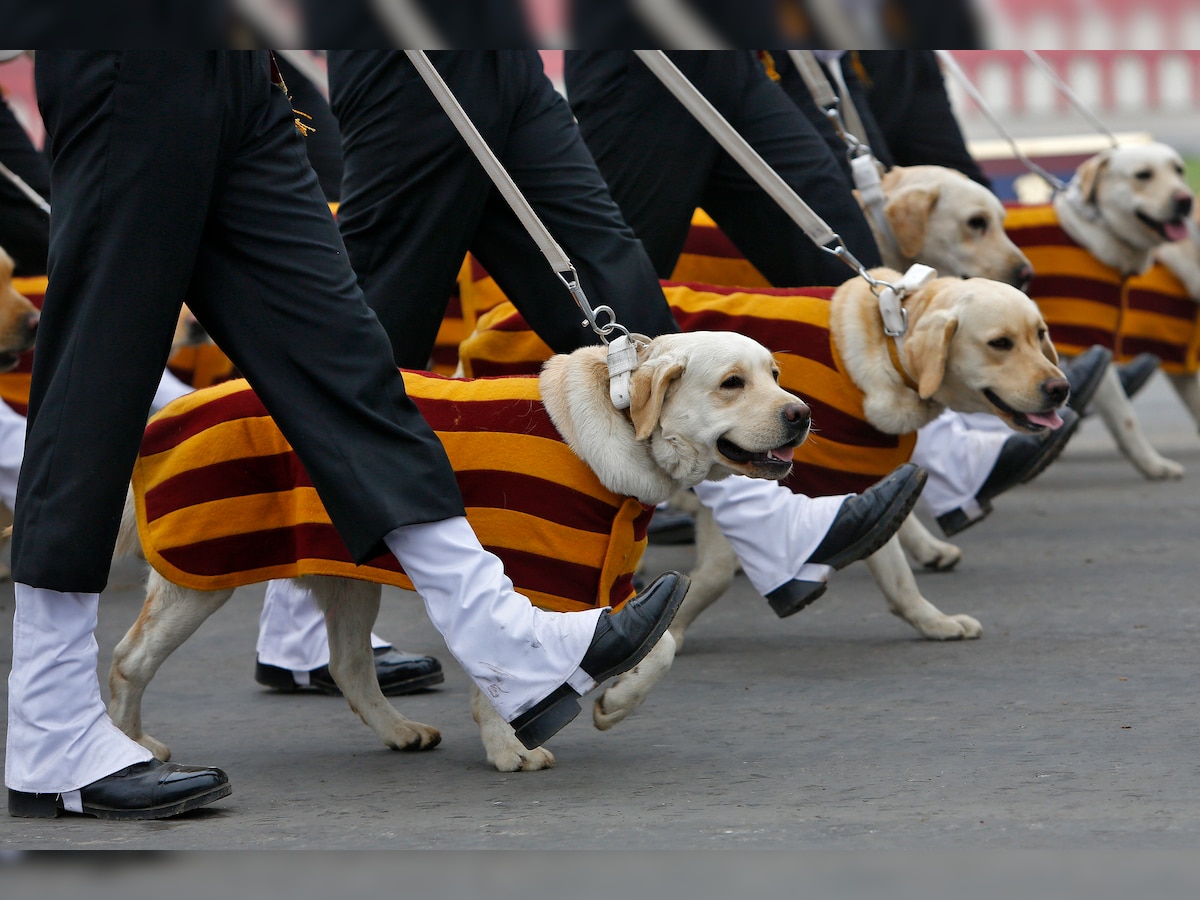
x,y
1135,196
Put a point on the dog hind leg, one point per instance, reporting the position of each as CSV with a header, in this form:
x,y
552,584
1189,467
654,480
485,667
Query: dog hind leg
x,y
350,608
891,572
169,616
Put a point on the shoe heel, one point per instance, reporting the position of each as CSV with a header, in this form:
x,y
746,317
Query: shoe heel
x,y
33,806
537,725
794,596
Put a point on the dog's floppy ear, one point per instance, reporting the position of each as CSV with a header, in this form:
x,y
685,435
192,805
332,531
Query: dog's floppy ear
x,y
1088,175
907,214
650,382
926,348
1047,345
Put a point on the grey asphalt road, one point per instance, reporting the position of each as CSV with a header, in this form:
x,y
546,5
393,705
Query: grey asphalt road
x,y
1072,724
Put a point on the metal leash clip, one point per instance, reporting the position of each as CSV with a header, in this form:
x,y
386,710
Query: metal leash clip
x,y
894,315
622,350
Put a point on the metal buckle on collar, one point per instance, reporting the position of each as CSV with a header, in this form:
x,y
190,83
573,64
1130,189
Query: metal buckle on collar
x,y
894,315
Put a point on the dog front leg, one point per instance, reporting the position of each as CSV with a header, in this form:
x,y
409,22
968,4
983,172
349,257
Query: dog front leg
x,y
500,742
716,565
350,608
927,549
891,572
1187,386
629,690
1119,416
169,616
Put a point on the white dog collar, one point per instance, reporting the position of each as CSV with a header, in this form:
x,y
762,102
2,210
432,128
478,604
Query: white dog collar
x,y
622,360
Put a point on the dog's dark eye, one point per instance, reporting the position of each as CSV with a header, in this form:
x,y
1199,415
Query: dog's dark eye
x,y
1001,343
978,223
1143,175
1041,334
1178,169
733,382
775,375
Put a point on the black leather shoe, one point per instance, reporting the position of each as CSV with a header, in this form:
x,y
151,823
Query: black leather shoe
x,y
149,790
1022,458
864,523
1135,373
621,641
1084,373
398,672
669,527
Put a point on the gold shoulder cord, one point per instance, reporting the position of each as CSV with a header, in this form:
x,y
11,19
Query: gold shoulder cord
x,y
277,79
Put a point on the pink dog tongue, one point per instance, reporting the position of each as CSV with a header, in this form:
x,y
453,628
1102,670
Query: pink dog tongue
x,y
1176,231
1051,419
785,453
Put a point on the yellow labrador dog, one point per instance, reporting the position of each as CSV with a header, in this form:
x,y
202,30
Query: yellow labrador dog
x,y
941,218
973,345
1120,206
705,405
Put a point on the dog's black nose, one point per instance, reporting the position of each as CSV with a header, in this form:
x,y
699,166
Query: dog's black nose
x,y
797,415
1183,204
1056,390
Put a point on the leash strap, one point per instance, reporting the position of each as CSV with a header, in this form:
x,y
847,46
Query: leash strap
x,y
839,109
779,190
622,359
953,67
1072,98
736,146
23,186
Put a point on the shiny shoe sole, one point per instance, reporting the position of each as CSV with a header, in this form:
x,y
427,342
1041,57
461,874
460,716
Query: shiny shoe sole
x,y
49,806
547,717
795,596
902,504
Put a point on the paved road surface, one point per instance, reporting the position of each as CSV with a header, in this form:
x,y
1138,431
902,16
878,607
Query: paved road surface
x,y
1072,724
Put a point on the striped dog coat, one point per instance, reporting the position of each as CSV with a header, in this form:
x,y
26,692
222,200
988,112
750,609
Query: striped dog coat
x,y
845,454
1086,302
222,499
198,366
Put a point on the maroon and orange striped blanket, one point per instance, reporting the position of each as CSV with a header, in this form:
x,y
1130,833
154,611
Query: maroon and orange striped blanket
x,y
222,500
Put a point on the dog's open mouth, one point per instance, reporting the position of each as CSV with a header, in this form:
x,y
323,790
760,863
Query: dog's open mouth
x,y
1045,420
777,459
1171,230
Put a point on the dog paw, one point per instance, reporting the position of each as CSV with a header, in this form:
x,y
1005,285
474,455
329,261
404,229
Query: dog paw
x,y
950,628
515,758
160,750
1162,469
943,558
413,736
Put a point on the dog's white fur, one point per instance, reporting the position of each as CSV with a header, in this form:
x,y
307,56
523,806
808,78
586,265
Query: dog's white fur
x,y
1122,205
705,405
951,352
